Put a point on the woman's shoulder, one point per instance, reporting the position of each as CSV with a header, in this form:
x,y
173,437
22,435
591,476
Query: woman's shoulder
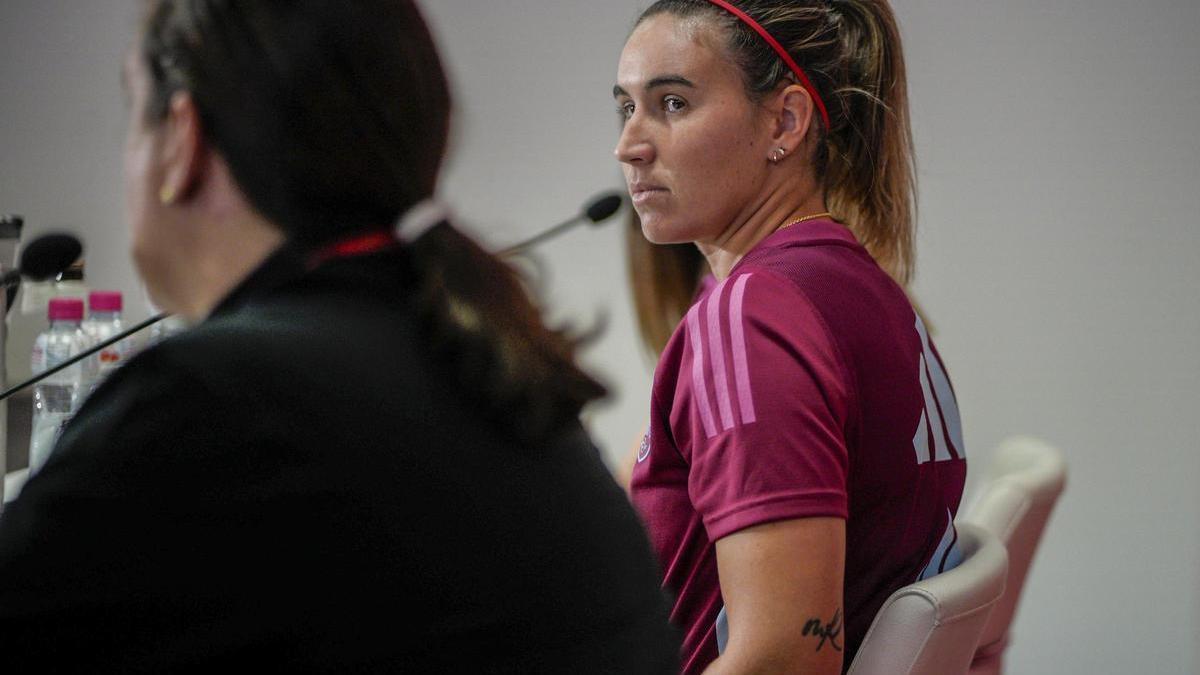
x,y
840,278
830,295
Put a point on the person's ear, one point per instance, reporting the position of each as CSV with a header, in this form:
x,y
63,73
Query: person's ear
x,y
181,149
792,110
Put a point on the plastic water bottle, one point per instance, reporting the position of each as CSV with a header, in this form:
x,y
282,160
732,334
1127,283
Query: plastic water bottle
x,y
103,322
56,398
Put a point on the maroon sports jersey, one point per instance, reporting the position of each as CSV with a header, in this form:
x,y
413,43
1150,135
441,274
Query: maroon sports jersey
x,y
803,385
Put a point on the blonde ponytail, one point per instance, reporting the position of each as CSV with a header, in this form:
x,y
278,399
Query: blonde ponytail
x,y
869,175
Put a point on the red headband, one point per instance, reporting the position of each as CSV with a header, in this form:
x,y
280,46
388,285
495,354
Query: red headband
x,y
783,54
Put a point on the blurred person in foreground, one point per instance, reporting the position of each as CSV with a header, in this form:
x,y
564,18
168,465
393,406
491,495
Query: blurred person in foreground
x,y
365,455
804,457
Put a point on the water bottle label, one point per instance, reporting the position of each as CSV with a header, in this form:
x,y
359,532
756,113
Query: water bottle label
x,y
109,360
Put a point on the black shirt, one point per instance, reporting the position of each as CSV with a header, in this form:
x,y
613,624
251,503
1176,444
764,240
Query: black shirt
x,y
295,484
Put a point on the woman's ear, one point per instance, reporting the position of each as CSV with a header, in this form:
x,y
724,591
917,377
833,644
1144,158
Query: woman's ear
x,y
182,149
793,113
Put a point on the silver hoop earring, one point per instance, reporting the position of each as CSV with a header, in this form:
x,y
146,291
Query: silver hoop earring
x,y
777,155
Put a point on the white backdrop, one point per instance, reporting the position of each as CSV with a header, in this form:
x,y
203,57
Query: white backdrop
x,y
1059,246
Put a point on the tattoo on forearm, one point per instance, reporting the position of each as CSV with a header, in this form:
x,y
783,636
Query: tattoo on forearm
x,y
825,631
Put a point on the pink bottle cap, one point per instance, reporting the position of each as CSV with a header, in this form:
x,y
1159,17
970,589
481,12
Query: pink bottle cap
x,y
66,309
104,301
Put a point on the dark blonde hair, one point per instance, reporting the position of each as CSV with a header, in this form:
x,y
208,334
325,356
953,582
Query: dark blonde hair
x,y
851,51
333,119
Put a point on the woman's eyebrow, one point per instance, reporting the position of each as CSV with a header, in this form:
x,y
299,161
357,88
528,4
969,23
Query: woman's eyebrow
x,y
660,81
668,80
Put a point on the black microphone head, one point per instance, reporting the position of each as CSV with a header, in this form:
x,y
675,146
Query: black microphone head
x,y
49,256
603,207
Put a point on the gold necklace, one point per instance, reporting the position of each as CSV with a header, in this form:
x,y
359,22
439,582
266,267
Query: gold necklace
x,y
823,214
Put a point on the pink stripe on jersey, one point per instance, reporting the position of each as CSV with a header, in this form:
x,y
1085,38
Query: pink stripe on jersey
x,y
737,336
699,388
716,350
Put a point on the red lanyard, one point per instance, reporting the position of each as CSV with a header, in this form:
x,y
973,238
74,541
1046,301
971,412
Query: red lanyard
x,y
363,244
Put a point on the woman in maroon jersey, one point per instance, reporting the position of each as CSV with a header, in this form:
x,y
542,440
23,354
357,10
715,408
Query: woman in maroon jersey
x,y
804,457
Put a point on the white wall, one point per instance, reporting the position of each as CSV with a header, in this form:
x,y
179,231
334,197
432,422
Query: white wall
x,y
1061,259
1060,193
62,124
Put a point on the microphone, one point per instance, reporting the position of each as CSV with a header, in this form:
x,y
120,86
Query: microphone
x,y
603,207
44,258
49,256
599,209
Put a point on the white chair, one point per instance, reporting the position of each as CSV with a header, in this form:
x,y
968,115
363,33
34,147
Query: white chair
x,y
1022,484
931,627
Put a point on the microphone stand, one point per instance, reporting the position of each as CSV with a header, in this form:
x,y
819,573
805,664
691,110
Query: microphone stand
x,y
83,355
600,209
542,236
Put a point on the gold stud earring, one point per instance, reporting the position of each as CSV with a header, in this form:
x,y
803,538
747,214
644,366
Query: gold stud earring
x,y
166,195
777,155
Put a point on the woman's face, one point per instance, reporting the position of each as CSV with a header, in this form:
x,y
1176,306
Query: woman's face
x,y
693,146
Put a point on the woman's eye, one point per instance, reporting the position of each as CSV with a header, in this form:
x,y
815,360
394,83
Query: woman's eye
x,y
625,110
674,104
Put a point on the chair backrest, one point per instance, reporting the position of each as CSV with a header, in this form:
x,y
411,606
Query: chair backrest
x,y
933,626
1021,486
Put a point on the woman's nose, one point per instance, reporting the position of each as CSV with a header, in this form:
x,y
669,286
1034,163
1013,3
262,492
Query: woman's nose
x,y
634,146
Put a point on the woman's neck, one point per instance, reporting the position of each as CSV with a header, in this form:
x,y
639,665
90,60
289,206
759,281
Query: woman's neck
x,y
757,222
228,260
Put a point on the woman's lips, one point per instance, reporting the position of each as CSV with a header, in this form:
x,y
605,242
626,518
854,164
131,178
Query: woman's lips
x,y
644,193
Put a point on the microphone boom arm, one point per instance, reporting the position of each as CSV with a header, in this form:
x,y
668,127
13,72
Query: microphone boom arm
x,y
596,211
541,236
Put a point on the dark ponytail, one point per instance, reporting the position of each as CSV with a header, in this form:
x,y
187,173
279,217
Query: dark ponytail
x,y
333,119
480,321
